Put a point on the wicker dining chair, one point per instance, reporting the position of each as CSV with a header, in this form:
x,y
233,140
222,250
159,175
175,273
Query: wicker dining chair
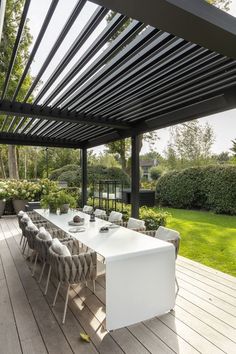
x,y
135,224
168,235
72,269
41,247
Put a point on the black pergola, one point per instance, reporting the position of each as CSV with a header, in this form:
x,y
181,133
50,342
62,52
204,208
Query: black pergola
x,y
175,61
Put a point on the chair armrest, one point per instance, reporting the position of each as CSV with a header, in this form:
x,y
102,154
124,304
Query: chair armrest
x,y
149,232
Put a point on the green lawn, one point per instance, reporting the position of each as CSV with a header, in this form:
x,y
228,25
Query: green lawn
x,y
206,237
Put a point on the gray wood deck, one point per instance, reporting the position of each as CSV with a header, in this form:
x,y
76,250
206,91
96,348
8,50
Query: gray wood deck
x,y
204,319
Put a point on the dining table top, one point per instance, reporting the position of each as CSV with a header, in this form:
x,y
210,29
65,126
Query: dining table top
x,y
118,242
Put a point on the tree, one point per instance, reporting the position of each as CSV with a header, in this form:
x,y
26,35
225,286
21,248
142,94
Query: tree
x,y
11,22
221,4
191,143
233,149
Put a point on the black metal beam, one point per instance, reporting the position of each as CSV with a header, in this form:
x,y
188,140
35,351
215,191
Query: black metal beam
x,y
19,139
109,73
42,31
195,21
204,107
135,175
37,111
15,48
73,16
116,45
100,41
84,176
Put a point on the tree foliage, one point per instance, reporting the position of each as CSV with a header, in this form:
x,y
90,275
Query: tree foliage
x,y
190,144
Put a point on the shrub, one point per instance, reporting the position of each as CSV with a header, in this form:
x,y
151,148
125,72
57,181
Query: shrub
x,y
71,177
56,173
95,174
153,218
155,172
211,188
75,193
31,191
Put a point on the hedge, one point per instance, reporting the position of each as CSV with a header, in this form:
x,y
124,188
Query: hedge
x,y
95,173
210,188
153,217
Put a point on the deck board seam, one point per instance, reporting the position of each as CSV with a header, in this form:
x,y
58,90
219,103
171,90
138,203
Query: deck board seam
x,y
48,306
206,293
208,269
12,309
221,284
233,297
32,311
233,342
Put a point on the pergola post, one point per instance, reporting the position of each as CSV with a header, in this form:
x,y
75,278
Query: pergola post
x,y
135,176
84,176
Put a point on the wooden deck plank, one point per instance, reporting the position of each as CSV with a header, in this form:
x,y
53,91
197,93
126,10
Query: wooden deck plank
x,y
205,286
189,334
206,317
207,269
206,331
27,327
203,320
209,308
209,297
224,289
223,281
9,339
152,342
175,342
2,276
51,326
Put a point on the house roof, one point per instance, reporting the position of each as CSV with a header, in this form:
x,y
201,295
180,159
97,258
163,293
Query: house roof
x,y
174,62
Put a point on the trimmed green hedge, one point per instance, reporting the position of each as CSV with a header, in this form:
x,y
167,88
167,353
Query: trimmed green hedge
x,y
210,188
72,175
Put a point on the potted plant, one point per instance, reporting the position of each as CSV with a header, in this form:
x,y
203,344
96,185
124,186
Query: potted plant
x,y
22,192
66,201
59,199
3,197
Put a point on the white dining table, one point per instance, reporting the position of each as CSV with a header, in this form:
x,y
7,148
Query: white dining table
x,y
140,270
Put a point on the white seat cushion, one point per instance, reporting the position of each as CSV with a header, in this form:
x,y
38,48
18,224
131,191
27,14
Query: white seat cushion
x,y
21,213
25,217
100,212
87,208
136,224
59,248
44,234
31,226
165,234
115,216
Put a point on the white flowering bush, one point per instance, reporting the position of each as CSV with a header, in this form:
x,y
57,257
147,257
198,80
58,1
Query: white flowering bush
x,y
25,190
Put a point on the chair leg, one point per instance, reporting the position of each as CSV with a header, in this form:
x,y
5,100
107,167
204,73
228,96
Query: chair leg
x,y
66,303
32,256
25,244
41,274
48,278
94,286
21,239
177,284
55,298
35,261
28,252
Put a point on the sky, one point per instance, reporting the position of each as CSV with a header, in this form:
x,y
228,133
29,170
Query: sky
x,y
223,124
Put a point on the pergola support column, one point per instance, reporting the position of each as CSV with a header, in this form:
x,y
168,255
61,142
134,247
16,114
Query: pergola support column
x,y
84,176
135,176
